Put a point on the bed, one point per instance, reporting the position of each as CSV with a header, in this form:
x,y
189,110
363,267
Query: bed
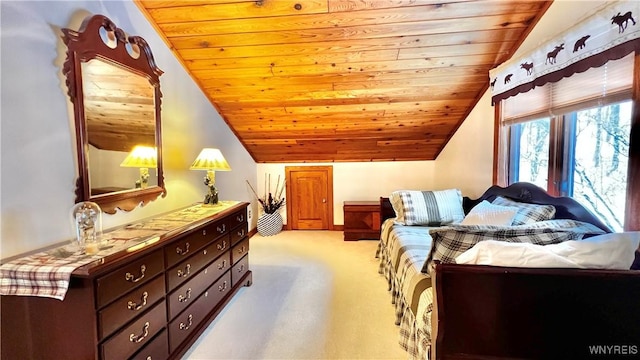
x,y
425,315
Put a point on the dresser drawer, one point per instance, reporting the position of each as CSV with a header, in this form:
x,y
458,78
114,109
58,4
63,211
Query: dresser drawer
x,y
187,293
238,218
189,267
220,227
239,250
239,233
127,277
189,320
133,337
129,306
239,269
187,246
156,349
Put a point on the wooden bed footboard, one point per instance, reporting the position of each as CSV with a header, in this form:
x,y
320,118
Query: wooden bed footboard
x,y
486,312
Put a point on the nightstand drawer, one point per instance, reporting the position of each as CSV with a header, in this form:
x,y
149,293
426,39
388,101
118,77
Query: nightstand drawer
x,y
361,220
132,275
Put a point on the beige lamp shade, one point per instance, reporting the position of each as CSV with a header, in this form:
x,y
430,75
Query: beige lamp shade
x,y
210,159
141,157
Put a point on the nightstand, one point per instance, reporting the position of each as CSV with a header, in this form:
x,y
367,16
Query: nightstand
x,y
361,220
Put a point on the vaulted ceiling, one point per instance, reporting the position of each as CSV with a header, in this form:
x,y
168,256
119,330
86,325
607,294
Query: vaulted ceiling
x,y
343,80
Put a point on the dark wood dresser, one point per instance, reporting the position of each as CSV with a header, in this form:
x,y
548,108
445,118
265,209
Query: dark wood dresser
x,y
150,301
361,220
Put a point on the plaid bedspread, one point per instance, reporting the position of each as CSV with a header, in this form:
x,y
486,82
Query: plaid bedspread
x,y
451,241
48,273
403,253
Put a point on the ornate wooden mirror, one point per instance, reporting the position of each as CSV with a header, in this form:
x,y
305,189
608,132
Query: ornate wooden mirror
x,y
114,85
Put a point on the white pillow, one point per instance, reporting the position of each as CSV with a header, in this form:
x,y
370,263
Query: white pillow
x,y
486,213
608,251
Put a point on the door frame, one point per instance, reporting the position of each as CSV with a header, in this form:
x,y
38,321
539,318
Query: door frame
x,y
329,169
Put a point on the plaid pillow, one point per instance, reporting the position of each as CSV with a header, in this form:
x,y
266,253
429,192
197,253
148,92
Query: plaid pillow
x,y
527,213
431,208
450,241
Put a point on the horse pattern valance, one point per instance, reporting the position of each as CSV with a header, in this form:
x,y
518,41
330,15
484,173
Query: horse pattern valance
x,y
610,34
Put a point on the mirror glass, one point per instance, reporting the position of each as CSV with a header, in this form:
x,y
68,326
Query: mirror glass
x,y
114,85
119,110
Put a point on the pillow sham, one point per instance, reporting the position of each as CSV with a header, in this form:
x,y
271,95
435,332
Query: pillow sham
x,y
527,213
431,208
450,241
486,213
608,251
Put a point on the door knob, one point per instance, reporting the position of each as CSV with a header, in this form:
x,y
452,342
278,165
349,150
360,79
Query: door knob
x,y
324,201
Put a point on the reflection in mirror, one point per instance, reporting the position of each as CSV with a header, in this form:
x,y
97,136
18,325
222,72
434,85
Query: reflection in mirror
x,y
119,115
114,85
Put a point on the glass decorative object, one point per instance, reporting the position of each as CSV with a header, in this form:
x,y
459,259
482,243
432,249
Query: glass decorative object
x,y
86,217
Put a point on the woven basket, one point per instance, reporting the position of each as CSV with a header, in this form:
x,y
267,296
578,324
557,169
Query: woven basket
x,y
270,224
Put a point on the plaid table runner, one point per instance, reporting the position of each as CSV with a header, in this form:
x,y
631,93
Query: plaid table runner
x,y
48,273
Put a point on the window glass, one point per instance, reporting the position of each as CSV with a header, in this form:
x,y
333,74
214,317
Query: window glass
x,y
598,170
530,152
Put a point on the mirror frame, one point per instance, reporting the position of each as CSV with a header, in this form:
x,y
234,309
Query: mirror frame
x,y
87,44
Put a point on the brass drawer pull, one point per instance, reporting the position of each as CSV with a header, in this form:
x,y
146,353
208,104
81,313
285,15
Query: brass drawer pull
x,y
222,229
131,278
204,232
240,218
179,250
240,233
137,338
241,268
186,297
135,307
222,287
222,246
222,265
185,272
186,327
242,250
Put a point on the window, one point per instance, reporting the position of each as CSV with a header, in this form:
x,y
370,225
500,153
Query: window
x,y
573,137
593,159
529,152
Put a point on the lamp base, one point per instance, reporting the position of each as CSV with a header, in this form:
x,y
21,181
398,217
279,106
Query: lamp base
x,y
211,198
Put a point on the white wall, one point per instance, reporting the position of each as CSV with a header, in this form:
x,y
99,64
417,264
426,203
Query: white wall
x,y
38,161
359,180
466,162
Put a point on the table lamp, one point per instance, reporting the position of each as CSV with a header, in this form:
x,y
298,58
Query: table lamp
x,y
210,160
143,157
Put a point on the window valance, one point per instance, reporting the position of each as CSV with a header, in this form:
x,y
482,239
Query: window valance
x,y
610,34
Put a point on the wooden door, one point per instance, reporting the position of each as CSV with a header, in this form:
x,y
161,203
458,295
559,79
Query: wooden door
x,y
309,197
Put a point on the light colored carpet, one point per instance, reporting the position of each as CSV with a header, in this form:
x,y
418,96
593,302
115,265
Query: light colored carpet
x,y
314,296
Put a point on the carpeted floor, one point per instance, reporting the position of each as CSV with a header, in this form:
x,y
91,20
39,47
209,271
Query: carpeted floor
x,y
314,296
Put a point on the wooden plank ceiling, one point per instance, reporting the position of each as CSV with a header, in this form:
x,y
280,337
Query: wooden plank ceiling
x,y
343,80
